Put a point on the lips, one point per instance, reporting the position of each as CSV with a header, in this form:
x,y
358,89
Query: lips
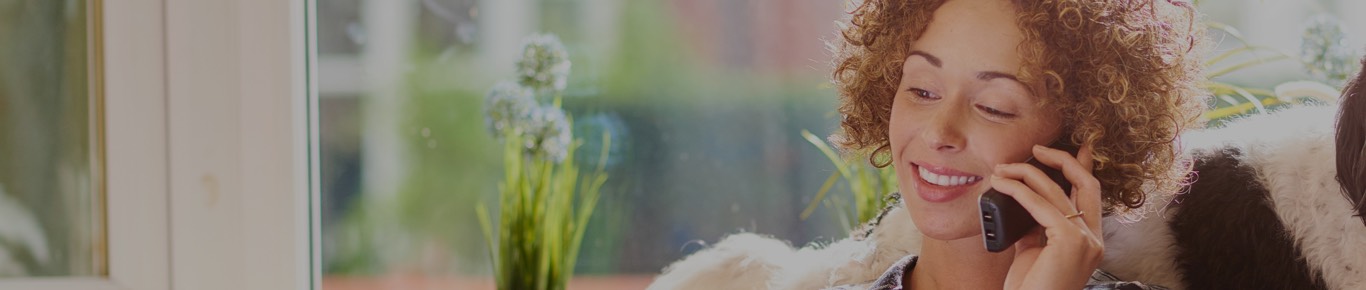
x,y
942,184
945,179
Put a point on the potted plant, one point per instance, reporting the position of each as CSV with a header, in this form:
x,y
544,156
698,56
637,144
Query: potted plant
x,y
544,199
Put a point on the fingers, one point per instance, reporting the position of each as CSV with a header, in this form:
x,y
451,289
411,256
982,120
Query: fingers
x,y
1038,182
1084,156
1085,201
1070,166
1074,245
1070,240
1086,191
1043,211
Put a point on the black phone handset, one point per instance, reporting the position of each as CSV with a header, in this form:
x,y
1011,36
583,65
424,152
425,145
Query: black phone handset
x,y
1004,221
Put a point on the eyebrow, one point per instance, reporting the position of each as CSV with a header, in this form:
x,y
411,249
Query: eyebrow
x,y
928,57
990,75
984,76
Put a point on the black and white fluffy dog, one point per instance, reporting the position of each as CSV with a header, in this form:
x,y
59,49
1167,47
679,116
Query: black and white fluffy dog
x,y
1265,211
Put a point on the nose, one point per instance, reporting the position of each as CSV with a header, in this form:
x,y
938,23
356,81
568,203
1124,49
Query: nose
x,y
942,131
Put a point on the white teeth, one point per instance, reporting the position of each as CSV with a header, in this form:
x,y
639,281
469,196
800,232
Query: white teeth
x,y
944,180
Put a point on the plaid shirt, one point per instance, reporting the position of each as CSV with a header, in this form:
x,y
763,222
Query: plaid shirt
x,y
891,280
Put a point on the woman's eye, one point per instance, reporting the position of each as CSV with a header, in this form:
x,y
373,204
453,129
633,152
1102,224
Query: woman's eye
x,y
995,112
923,94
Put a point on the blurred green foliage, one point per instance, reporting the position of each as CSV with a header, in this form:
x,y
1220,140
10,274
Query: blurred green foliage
x,y
543,210
868,185
45,136
1323,57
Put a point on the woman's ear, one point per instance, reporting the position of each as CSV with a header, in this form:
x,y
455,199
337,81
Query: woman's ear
x,y
1351,143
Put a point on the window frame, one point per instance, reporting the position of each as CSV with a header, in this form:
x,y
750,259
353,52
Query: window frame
x,y
204,113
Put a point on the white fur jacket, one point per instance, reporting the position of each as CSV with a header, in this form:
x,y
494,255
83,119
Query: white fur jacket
x,y
1264,213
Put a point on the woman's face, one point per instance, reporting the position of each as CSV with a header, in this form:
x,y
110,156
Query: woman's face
x,y
959,111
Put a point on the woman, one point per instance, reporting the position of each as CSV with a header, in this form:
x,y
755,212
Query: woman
x,y
956,95
980,86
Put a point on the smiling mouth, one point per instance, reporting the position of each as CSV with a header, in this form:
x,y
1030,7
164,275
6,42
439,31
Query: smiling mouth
x,y
945,179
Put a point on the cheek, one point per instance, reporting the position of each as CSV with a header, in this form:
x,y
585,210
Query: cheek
x,y
1000,151
901,128
1006,145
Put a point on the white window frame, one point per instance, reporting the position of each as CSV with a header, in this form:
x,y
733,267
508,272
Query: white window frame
x,y
207,130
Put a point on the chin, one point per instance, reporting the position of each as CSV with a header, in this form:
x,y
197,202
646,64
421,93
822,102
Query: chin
x,y
945,222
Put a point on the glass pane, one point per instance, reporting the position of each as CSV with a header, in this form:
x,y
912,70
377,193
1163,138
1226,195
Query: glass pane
x,y
705,121
705,102
50,218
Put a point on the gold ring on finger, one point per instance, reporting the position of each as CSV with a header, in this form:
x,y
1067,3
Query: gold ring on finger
x,y
1079,213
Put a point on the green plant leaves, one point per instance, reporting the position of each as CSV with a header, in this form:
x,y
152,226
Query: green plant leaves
x,y
867,184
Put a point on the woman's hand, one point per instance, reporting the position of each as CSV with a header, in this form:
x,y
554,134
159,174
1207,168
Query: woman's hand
x,y
1074,246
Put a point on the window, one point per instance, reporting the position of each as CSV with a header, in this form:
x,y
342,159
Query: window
x,y
705,102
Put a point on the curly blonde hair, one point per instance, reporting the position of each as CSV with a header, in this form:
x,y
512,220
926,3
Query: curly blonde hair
x,y
1127,73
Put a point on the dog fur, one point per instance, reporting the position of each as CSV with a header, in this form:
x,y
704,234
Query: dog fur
x,y
1351,142
749,261
1144,249
1223,220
